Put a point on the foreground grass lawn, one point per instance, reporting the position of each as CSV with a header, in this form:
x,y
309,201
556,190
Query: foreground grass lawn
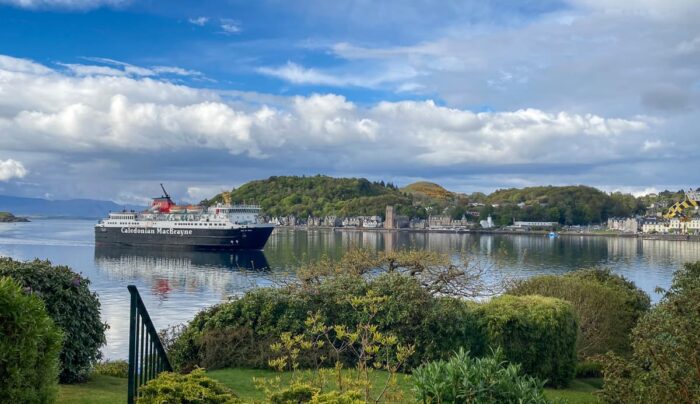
x,y
579,392
100,389
107,389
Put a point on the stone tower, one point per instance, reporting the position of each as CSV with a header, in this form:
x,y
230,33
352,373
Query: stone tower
x,y
389,220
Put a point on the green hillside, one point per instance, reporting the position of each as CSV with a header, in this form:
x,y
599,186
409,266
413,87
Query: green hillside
x,y
9,217
428,190
321,195
572,205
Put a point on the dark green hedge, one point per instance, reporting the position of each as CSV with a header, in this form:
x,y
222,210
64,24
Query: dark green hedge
x,y
71,305
608,306
29,347
538,332
437,326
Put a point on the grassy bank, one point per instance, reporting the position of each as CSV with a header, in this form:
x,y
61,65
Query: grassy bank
x,y
108,390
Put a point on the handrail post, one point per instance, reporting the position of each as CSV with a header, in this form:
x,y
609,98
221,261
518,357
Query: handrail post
x,y
132,345
145,347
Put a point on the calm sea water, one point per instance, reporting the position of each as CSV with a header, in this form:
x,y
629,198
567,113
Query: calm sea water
x,y
176,285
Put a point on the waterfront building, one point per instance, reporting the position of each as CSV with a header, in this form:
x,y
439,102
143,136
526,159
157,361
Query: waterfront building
x,y
532,225
626,225
439,221
389,221
673,226
417,224
487,224
371,222
351,222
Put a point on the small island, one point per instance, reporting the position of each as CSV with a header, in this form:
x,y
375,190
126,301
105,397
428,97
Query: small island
x,y
7,217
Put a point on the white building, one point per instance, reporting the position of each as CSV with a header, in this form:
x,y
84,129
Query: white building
x,y
674,225
372,222
487,224
626,225
535,224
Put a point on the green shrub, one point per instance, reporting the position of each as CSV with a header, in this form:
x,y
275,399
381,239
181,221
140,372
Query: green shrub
x,y
463,379
637,300
588,369
117,368
300,392
252,322
175,388
296,393
182,343
449,324
666,349
73,308
538,332
608,306
29,347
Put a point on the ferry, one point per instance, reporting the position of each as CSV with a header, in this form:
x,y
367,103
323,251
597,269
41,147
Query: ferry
x,y
224,226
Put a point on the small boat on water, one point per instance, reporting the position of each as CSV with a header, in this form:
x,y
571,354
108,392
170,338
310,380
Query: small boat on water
x,y
552,234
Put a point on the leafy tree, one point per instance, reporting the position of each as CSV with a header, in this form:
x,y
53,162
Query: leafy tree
x,y
665,364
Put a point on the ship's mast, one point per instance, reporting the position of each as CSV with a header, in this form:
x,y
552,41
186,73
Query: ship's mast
x,y
165,193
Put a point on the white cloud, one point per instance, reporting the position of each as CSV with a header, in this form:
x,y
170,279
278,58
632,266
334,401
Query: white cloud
x,y
297,74
58,113
198,193
175,70
201,21
65,4
10,169
92,70
229,26
108,67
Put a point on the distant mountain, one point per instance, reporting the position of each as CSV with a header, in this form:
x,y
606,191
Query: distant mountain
x,y
70,208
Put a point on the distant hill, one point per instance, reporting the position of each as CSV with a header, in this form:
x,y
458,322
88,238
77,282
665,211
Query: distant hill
x,y
7,217
573,204
430,190
70,208
320,196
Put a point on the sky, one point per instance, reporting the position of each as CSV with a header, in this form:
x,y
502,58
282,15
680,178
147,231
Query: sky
x,y
108,98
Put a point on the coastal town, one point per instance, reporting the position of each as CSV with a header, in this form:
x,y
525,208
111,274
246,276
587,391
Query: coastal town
x,y
651,224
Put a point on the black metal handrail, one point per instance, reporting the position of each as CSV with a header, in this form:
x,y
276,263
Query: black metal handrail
x,y
147,357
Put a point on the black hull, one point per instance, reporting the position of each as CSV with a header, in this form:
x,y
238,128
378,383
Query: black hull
x,y
245,238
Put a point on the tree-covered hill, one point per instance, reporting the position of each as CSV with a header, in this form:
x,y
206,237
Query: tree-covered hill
x,y
321,195
428,190
571,205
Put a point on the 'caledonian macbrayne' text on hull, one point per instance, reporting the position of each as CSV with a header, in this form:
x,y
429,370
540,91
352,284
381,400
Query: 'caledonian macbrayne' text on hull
x,y
219,227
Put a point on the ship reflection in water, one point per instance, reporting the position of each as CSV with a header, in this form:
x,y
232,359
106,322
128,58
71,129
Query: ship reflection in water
x,y
166,271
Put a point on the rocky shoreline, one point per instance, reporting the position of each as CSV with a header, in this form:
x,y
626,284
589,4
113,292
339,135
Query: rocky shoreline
x,y
7,217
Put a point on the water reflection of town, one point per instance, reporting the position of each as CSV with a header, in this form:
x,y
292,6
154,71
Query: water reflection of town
x,y
166,271
510,255
649,262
